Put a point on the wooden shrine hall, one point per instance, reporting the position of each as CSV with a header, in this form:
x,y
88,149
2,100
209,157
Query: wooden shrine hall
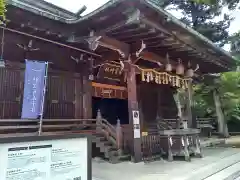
x,y
116,73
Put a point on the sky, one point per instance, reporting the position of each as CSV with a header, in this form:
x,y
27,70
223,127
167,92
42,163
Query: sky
x,y
75,5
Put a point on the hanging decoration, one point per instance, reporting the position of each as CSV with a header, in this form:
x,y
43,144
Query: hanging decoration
x,y
180,68
168,66
150,75
190,72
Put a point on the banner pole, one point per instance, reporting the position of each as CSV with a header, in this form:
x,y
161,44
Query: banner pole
x,y
43,99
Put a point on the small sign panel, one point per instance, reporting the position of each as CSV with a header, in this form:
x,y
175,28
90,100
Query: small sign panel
x,y
136,124
112,72
56,159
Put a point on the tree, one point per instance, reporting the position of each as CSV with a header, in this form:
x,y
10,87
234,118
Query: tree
x,y
219,97
2,10
231,4
203,17
235,45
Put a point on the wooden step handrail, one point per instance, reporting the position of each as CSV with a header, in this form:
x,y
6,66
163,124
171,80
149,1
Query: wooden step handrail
x,y
61,126
109,125
105,126
112,133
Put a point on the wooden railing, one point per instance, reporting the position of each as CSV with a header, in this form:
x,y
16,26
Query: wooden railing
x,y
172,123
151,147
204,121
206,126
112,133
16,127
21,127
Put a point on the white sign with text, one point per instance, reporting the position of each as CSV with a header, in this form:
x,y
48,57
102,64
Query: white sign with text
x,y
136,124
62,159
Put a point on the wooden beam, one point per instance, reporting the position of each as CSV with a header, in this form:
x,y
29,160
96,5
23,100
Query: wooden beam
x,y
152,57
96,40
50,41
108,86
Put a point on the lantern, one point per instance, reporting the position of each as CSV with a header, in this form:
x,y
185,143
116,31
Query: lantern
x,y
190,72
168,67
180,68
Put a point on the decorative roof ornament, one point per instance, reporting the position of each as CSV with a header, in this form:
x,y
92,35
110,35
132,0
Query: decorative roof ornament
x,y
77,60
143,46
122,65
28,47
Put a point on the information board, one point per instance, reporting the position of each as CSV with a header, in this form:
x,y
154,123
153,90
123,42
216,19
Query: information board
x,y
45,158
136,124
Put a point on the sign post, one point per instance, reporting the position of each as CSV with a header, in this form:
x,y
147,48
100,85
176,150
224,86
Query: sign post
x,y
43,99
46,157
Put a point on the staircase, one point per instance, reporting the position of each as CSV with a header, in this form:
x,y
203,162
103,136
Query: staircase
x,y
109,140
108,149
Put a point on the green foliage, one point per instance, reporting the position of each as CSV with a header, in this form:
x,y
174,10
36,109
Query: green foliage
x,y
208,2
232,4
3,10
235,44
227,86
230,94
202,15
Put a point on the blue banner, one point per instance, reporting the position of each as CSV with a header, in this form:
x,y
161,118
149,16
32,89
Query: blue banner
x,y
33,89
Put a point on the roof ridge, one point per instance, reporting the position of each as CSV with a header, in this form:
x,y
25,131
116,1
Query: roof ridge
x,y
46,6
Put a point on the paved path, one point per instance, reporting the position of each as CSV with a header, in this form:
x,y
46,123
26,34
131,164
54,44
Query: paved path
x,y
215,160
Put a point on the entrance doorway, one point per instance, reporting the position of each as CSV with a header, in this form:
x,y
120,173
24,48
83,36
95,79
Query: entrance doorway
x,y
111,109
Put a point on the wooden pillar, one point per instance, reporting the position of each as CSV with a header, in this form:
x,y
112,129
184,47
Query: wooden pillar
x,y
140,107
87,98
192,122
134,115
78,97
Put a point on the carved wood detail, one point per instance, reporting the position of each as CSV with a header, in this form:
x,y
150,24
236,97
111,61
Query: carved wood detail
x,y
109,91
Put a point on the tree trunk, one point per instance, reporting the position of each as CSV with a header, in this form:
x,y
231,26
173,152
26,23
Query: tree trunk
x,y
222,125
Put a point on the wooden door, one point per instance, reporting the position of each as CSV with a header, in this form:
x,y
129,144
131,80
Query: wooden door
x,y
60,97
11,81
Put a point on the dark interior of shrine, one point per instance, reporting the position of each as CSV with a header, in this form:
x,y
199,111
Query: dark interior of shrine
x,y
111,109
